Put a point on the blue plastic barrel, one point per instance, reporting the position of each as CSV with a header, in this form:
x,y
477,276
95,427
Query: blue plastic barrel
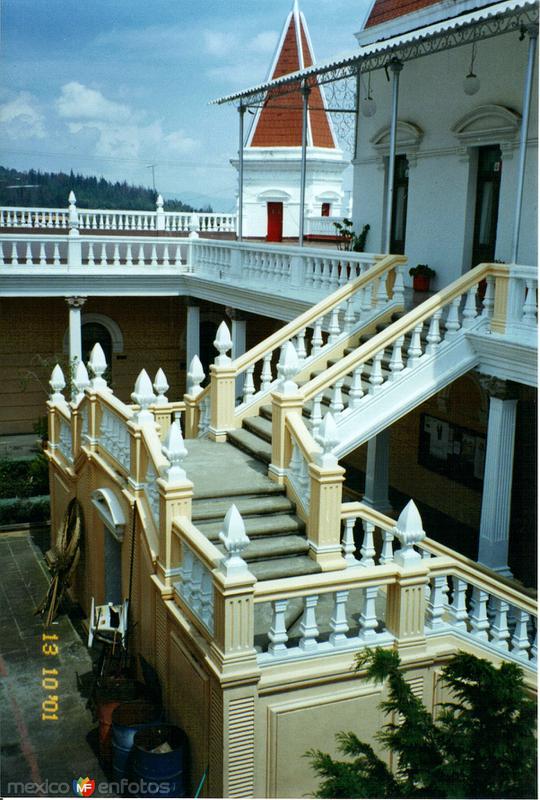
x,y
127,719
160,762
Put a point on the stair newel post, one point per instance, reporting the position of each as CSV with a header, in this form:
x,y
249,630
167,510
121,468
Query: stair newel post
x,y
501,273
234,588
175,497
406,598
324,521
195,377
222,387
285,401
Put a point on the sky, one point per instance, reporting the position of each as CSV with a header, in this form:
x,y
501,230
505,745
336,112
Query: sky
x,y
107,87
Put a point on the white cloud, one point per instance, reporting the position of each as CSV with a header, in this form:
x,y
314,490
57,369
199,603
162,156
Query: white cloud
x,y
80,102
265,42
20,118
116,130
219,44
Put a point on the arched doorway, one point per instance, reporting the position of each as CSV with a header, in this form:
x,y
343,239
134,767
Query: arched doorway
x,y
91,334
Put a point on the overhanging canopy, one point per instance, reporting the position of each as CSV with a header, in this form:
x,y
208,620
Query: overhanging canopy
x,y
494,20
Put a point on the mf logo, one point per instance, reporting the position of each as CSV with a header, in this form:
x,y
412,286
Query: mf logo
x,y
84,787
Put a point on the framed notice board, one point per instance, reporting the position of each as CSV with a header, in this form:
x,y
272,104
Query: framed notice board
x,y
455,452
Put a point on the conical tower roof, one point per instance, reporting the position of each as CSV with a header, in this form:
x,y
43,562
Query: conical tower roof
x,y
279,122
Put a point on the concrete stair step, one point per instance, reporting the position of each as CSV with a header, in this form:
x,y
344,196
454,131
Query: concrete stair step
x,y
284,568
247,506
263,525
252,444
260,426
274,547
266,411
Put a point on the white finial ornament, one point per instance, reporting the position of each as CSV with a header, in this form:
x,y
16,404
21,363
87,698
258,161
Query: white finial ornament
x,y
81,381
328,438
287,368
175,451
57,382
144,397
161,386
235,540
195,377
409,531
223,344
97,364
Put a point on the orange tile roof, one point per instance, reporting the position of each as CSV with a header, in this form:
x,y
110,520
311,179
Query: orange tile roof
x,y
384,10
280,120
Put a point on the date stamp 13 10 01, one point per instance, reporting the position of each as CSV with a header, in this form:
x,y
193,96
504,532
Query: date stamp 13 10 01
x,y
49,677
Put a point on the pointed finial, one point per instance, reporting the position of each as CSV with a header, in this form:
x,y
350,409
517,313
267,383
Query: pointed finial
x,y
144,397
328,438
175,451
81,381
98,365
161,386
409,531
159,201
57,382
71,198
235,541
195,377
287,368
223,344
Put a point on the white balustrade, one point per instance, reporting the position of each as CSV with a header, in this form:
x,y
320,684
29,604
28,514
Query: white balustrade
x,y
298,475
195,587
114,436
152,492
65,442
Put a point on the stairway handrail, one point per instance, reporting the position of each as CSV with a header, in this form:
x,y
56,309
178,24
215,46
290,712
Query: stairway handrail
x,y
382,264
399,328
459,564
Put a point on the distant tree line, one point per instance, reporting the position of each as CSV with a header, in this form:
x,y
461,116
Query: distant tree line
x,y
51,190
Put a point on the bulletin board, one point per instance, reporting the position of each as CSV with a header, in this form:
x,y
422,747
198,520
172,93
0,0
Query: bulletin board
x,y
450,450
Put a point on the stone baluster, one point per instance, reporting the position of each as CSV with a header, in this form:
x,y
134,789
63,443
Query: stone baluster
x,y
316,415
249,386
396,364
116,256
140,257
520,638
129,256
499,627
381,297
42,257
415,348
349,317
452,318
308,625
153,256
457,612
91,257
529,307
478,616
338,621
278,629
333,328
434,334
161,386
368,617
28,260
387,551
376,377
399,286
56,256
317,339
103,259
356,391
266,372
437,603
301,345
14,256
347,543
367,550
469,310
336,403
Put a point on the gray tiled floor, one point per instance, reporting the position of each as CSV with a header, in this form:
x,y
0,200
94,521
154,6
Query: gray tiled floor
x,y
34,750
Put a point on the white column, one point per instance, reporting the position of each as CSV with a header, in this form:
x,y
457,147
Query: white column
x,y
192,333
238,335
378,455
497,492
75,338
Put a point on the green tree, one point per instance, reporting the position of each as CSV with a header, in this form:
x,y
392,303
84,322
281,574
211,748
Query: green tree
x,y
482,744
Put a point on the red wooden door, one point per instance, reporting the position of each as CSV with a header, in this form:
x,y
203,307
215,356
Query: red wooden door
x,y
325,210
274,231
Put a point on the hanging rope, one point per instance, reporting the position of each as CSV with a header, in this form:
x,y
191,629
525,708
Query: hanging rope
x,y
130,584
65,562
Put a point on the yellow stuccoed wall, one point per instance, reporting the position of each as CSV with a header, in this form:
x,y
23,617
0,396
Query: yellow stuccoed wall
x,y
32,335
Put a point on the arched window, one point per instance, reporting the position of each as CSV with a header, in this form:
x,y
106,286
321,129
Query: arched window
x,y
93,333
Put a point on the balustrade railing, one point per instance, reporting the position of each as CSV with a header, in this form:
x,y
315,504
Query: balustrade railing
x,y
113,435
98,219
322,226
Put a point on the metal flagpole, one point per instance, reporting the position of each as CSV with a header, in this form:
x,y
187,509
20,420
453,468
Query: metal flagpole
x,y
305,101
396,66
241,111
527,93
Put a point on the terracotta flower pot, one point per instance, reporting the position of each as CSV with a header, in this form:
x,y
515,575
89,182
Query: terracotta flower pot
x,y
420,283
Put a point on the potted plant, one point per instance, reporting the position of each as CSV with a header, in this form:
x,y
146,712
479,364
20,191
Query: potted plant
x,y
349,240
421,275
